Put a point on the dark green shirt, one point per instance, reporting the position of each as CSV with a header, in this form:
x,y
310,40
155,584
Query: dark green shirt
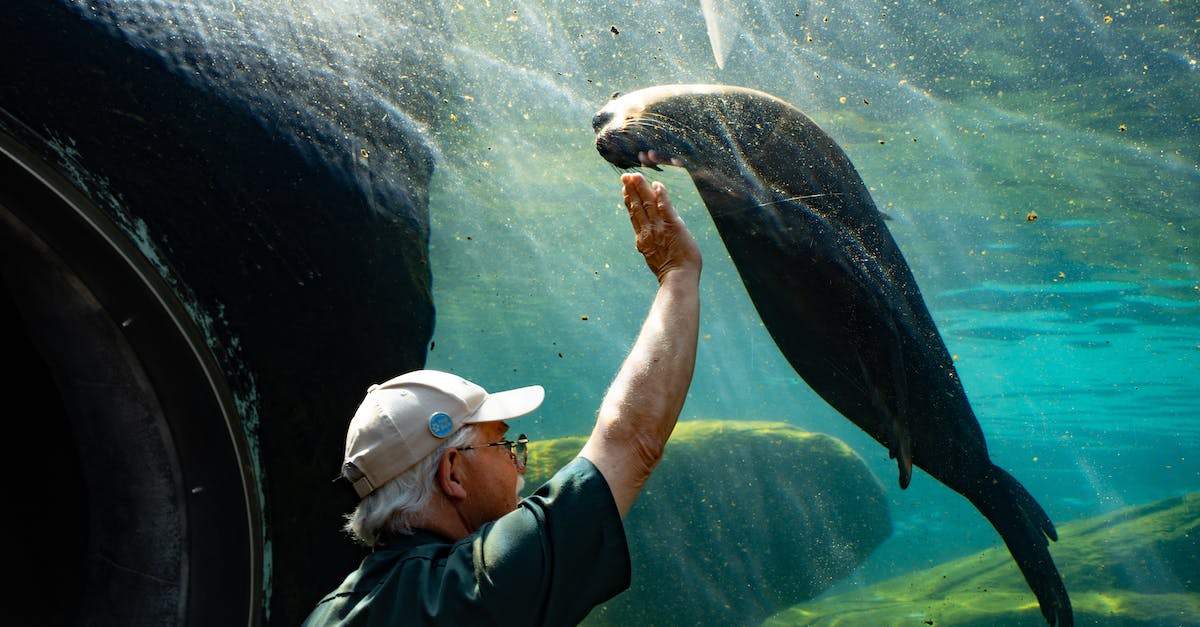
x,y
561,553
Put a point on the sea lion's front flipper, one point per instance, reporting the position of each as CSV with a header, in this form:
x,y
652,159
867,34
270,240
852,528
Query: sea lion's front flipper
x,y
903,452
886,387
878,322
872,315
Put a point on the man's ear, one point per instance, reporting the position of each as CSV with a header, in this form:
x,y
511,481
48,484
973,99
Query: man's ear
x,y
450,475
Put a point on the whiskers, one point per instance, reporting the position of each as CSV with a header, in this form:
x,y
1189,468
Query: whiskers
x,y
806,197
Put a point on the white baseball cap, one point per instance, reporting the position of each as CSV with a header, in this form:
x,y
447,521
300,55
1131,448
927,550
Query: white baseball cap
x,y
405,419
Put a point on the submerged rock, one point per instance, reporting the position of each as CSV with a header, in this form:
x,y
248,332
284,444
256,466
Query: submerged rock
x,y
1136,566
739,520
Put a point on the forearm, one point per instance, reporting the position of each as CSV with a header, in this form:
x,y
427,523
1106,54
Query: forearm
x,y
643,403
652,383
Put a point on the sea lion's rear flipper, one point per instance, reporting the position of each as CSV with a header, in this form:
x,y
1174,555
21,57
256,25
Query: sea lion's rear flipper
x,y
1025,527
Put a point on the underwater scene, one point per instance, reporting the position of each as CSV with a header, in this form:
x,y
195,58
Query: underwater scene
x,y
1034,165
1038,162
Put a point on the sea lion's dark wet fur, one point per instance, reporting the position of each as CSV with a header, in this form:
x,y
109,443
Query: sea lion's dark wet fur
x,y
833,289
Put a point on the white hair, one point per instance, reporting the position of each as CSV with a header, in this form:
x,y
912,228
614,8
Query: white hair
x,y
399,505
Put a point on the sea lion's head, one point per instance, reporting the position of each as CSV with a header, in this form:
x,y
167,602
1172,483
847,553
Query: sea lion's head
x,y
649,127
697,127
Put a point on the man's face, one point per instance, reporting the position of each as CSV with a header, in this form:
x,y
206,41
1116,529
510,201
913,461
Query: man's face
x,y
491,477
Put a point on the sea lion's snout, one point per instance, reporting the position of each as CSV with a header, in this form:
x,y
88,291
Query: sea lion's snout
x,y
617,150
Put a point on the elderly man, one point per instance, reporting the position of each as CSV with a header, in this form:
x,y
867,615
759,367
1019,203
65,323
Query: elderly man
x,y
431,456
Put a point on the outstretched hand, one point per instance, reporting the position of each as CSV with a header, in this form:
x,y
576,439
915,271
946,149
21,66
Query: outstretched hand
x,y
661,236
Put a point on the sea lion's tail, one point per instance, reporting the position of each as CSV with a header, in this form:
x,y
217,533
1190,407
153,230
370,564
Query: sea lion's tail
x,y
1025,527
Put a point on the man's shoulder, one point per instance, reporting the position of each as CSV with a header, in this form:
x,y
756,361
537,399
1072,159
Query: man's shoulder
x,y
420,549
578,474
399,561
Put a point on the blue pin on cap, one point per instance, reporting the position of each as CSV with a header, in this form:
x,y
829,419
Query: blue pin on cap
x,y
440,425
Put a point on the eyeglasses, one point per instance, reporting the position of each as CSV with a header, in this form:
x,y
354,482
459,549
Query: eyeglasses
x,y
517,448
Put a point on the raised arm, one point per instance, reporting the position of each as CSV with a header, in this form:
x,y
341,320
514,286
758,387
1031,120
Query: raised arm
x,y
643,403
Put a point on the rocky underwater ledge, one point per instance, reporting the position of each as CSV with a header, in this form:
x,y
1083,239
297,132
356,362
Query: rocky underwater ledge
x,y
1138,566
740,520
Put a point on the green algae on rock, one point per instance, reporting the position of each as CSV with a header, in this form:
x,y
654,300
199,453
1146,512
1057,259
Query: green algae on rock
x,y
1137,566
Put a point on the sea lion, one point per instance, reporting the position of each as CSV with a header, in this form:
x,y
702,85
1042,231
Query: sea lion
x,y
833,289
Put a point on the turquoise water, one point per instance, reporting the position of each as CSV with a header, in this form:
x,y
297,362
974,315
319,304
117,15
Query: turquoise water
x,y
1040,165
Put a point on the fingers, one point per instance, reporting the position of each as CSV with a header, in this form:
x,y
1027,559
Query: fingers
x,y
639,199
636,188
646,203
663,203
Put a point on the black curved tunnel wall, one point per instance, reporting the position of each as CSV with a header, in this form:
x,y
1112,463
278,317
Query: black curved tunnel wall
x,y
284,281
133,444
